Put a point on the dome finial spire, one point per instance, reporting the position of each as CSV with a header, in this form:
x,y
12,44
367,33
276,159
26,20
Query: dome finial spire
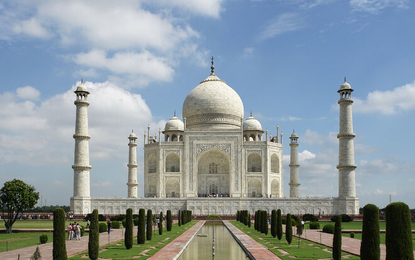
x,y
212,68
82,81
344,78
251,113
175,112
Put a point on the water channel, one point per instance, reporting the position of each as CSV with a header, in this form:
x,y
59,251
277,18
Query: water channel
x,y
215,238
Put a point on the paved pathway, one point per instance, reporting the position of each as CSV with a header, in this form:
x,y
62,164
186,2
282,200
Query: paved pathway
x,y
178,245
258,251
73,247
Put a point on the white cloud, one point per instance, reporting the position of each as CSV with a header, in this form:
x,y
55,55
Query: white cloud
x,y
315,3
247,52
305,155
210,8
31,27
28,93
375,6
387,102
287,22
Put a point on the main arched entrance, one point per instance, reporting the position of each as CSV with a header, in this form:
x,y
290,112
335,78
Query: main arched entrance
x,y
213,174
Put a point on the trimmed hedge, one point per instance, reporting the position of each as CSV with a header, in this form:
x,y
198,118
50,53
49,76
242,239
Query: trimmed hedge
x,y
213,217
274,223
115,224
59,244
310,217
369,247
344,218
328,228
161,223
314,225
337,239
170,220
43,239
141,229
128,236
93,243
102,227
398,232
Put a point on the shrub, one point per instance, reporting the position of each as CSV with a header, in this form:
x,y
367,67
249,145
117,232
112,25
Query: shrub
x,y
213,217
369,247
289,230
344,218
128,236
337,239
398,232
36,255
314,225
352,236
141,229
93,243
279,225
274,223
284,220
135,221
59,244
101,217
149,224
43,239
118,217
328,228
310,217
115,224
293,222
123,222
102,227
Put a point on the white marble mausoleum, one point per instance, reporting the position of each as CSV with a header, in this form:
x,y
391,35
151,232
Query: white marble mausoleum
x,y
214,161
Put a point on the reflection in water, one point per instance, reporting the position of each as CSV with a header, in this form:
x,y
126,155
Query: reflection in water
x,y
225,247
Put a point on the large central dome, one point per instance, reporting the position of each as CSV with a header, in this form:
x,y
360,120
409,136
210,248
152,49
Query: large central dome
x,y
213,105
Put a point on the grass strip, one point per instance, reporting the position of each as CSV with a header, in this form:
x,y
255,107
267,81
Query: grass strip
x,y
14,241
307,249
117,251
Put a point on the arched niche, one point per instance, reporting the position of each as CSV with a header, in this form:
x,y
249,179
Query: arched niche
x,y
254,163
172,163
213,174
172,188
275,188
254,188
275,163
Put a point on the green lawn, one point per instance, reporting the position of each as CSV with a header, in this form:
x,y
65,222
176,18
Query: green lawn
x,y
38,224
358,225
118,251
382,237
19,240
307,249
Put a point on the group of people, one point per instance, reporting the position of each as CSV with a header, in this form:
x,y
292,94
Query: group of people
x,y
74,231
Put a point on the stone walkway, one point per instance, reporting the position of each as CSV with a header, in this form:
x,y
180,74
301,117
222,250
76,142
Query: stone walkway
x,y
73,247
177,246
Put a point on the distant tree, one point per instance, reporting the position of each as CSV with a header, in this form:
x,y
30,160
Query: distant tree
x,y
161,223
279,224
274,223
398,232
299,226
149,224
170,220
59,244
15,197
93,243
128,236
369,247
337,238
289,229
141,229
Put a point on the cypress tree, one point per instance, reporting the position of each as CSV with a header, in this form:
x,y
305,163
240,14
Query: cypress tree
x,y
128,236
249,220
289,229
179,219
183,217
398,232
274,223
161,223
237,215
279,224
337,238
263,221
93,243
141,229
149,224
256,221
169,220
260,228
369,247
59,244
266,222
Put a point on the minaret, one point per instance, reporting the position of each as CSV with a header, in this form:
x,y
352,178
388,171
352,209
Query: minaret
x,y
346,165
81,167
132,166
294,167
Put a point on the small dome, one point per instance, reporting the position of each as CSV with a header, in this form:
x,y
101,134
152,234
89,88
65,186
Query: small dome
x,y
213,104
293,135
132,136
252,124
81,88
345,85
174,124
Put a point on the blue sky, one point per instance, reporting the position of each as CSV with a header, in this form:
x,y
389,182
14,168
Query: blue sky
x,y
140,59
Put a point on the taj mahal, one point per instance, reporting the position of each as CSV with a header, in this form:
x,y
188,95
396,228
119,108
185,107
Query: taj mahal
x,y
214,161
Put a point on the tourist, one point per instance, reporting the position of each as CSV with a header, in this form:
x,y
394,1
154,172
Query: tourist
x,y
69,229
87,224
109,227
78,232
